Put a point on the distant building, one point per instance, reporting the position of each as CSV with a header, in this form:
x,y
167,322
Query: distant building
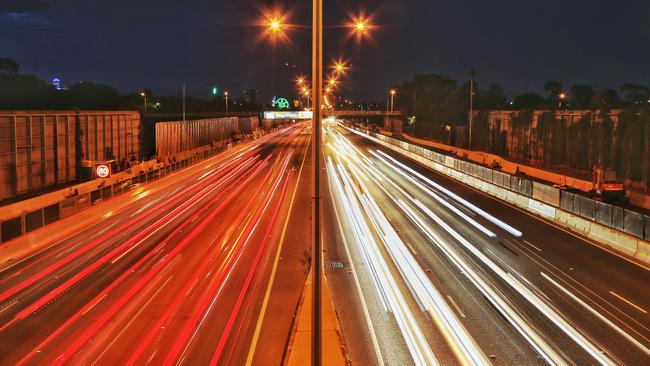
x,y
250,96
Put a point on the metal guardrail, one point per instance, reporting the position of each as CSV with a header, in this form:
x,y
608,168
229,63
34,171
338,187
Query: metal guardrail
x,y
618,218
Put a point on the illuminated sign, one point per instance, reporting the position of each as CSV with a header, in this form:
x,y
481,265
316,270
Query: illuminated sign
x,y
282,103
58,84
103,171
288,115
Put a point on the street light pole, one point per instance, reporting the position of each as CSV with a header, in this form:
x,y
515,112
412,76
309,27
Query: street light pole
x,y
472,73
471,109
183,102
144,95
392,96
226,95
317,90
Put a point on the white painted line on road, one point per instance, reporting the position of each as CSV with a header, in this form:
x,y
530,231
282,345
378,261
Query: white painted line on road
x,y
8,306
95,304
628,302
412,249
456,306
531,244
599,315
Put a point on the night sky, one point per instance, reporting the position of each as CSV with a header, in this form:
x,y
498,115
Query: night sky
x,y
161,44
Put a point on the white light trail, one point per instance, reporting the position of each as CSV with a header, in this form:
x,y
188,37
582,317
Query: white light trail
x,y
457,198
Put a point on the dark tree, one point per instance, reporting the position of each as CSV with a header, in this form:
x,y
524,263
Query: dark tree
x,y
493,98
9,66
605,99
553,90
529,100
580,96
635,93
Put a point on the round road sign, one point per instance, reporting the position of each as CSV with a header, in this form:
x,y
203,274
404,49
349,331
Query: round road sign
x,y
103,170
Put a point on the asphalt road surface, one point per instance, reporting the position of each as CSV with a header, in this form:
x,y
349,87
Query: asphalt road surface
x,y
425,270
205,266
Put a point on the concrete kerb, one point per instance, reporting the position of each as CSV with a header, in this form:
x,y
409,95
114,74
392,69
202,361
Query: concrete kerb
x,y
621,242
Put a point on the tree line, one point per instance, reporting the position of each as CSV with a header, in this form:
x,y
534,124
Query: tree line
x,y
613,132
19,91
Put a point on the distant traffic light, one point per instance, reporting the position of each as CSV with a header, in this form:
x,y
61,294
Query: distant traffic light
x,y
215,90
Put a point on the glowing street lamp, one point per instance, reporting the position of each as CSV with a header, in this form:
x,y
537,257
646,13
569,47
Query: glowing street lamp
x,y
361,26
339,67
392,96
225,94
144,95
561,97
275,25
300,80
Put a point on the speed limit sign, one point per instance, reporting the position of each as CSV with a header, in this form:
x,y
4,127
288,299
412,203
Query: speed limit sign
x,y
103,171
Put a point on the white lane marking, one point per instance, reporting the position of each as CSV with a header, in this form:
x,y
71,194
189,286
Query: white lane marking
x,y
532,245
599,315
628,302
95,304
8,306
456,306
589,294
412,249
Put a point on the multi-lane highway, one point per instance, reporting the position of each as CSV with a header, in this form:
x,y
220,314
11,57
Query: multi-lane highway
x,y
432,272
205,266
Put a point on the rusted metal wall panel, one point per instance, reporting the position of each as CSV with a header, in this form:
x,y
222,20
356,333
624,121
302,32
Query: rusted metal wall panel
x,y
175,137
109,135
39,149
7,155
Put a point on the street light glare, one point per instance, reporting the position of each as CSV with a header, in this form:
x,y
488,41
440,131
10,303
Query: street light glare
x,y
360,26
339,67
275,24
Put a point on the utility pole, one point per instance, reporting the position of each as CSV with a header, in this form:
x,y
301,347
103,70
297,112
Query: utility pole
x,y
472,72
414,105
317,90
183,102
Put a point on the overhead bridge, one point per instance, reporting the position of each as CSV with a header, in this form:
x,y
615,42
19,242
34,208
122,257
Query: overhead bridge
x,y
329,113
